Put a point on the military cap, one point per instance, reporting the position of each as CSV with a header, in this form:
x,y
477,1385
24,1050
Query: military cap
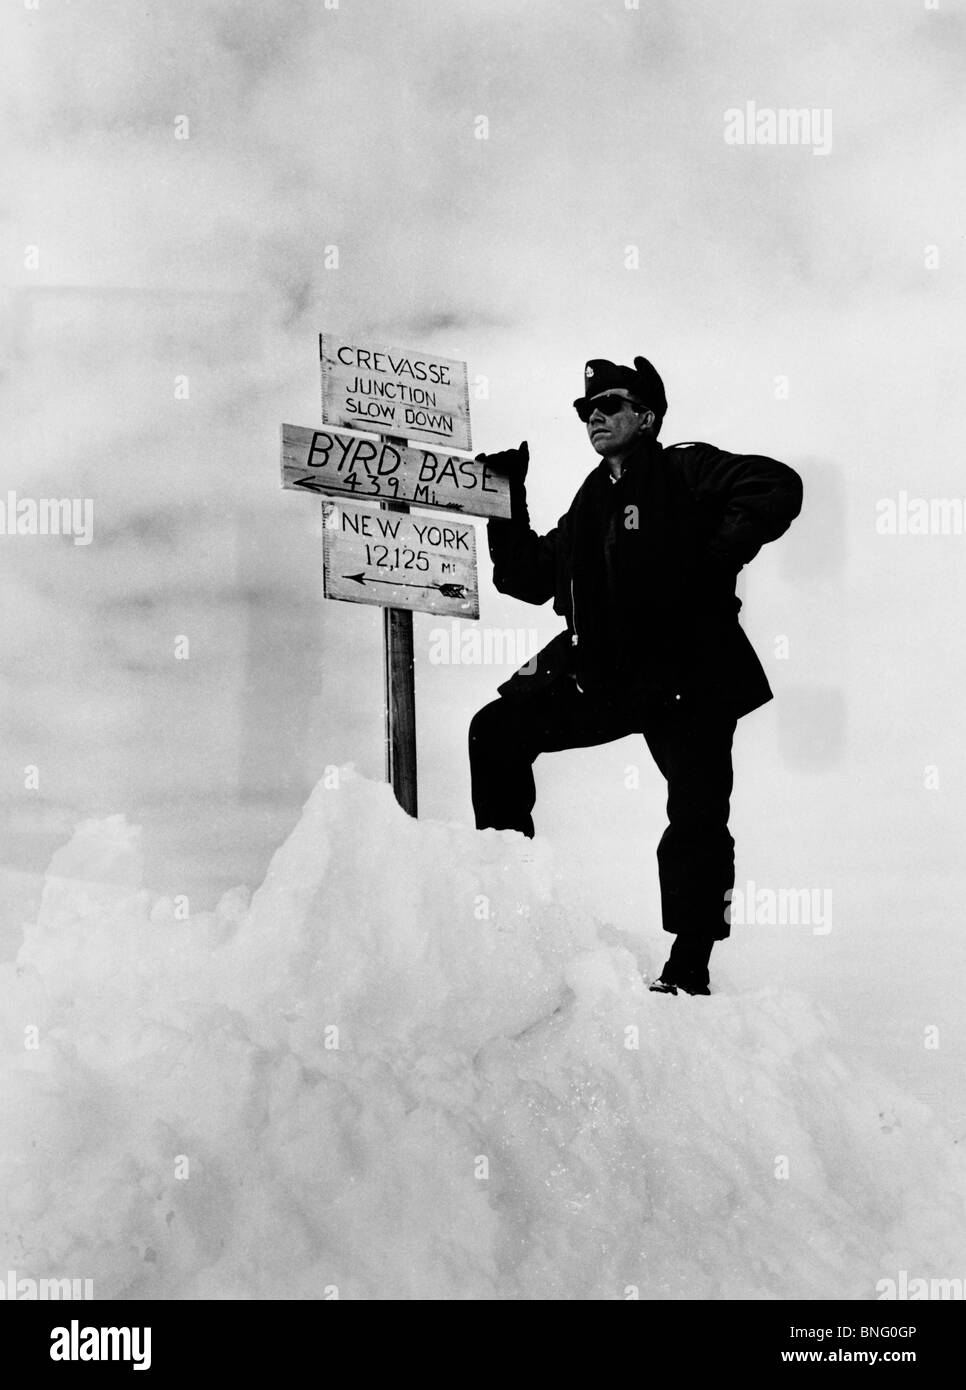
x,y
640,381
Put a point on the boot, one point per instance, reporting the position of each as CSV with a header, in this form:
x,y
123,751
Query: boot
x,y
687,966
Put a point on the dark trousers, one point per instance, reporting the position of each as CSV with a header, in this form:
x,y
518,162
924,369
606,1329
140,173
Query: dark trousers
x,y
691,745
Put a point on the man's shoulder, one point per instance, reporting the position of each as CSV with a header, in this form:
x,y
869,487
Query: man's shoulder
x,y
692,456
692,444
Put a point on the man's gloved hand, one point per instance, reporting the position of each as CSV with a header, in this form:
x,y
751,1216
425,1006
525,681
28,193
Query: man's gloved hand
x,y
512,464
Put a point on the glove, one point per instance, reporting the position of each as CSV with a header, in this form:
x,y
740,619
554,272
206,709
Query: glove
x,y
511,464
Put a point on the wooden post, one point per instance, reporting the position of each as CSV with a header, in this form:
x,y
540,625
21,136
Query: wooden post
x,y
400,688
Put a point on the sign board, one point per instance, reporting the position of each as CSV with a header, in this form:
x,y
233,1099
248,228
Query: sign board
x,y
331,461
395,391
399,560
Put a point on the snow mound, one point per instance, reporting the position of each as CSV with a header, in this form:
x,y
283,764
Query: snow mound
x,y
407,1071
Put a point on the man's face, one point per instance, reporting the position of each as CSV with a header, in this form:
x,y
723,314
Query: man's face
x,y
613,434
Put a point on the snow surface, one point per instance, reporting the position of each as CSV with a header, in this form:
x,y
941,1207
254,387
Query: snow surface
x,y
407,1070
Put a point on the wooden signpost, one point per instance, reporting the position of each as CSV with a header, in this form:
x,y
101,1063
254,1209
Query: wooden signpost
x,y
374,550
412,395
400,561
331,461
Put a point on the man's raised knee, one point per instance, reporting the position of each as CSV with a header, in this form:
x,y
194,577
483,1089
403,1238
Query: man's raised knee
x,y
488,724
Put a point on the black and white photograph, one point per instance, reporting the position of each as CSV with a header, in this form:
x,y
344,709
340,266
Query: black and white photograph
x,y
481,670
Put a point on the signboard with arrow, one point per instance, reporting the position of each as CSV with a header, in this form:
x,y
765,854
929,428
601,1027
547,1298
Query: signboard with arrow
x,y
332,461
398,560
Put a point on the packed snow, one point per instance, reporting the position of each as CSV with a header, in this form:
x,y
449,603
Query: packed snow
x,y
409,1069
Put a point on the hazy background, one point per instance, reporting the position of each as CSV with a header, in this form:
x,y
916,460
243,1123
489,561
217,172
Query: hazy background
x,y
354,128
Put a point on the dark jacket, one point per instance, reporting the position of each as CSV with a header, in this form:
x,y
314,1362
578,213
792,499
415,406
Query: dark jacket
x,y
643,571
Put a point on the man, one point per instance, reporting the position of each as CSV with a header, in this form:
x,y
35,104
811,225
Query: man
x,y
642,568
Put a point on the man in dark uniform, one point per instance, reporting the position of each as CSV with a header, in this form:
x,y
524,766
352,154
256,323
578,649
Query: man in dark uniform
x,y
642,567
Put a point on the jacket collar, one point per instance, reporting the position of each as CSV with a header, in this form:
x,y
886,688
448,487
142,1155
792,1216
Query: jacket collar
x,y
642,453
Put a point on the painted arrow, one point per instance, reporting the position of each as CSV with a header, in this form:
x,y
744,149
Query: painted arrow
x,y
447,590
309,484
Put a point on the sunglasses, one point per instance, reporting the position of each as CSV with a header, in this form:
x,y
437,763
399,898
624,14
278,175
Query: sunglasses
x,y
607,405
